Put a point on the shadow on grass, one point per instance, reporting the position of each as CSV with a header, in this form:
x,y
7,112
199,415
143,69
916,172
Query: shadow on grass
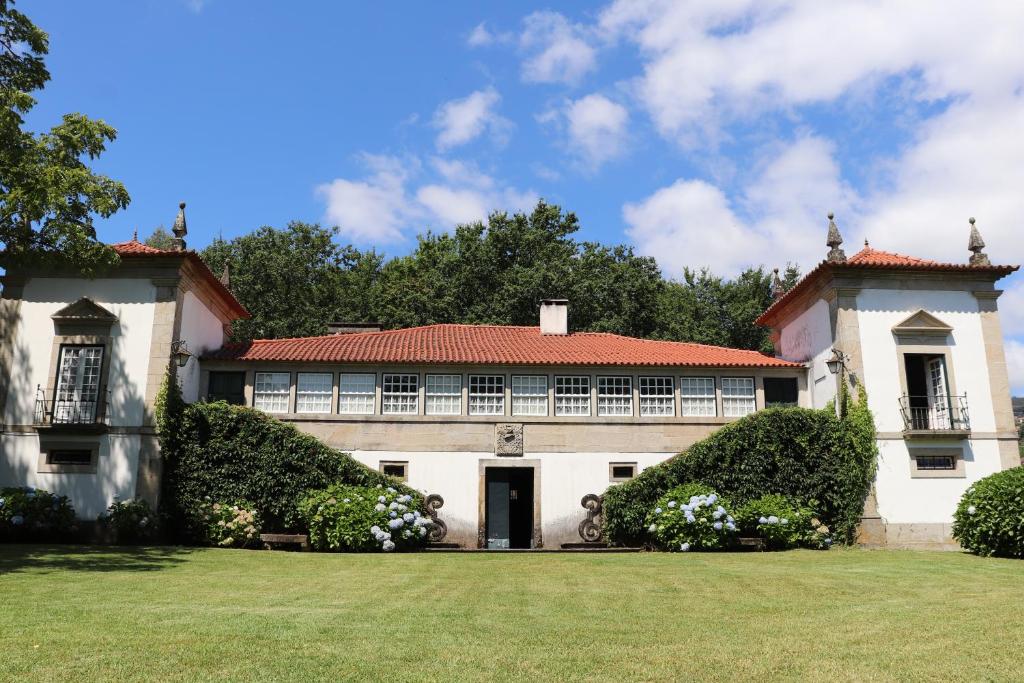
x,y
84,558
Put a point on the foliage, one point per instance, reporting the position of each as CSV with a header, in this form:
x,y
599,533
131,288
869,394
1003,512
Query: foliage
x,y
691,517
990,517
130,521
28,514
796,452
226,525
160,239
343,517
48,196
782,523
233,453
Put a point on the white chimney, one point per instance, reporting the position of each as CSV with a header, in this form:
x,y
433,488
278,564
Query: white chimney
x,y
554,316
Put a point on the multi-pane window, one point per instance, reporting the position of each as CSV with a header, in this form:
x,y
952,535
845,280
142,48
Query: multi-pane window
x,y
486,394
614,396
355,393
444,395
697,396
78,386
572,396
656,397
400,394
313,392
738,396
529,395
271,391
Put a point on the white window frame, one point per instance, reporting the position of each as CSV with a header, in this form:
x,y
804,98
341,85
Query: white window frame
x,y
694,402
654,404
318,399
530,395
79,379
734,403
611,402
442,395
403,398
487,394
269,395
357,397
572,395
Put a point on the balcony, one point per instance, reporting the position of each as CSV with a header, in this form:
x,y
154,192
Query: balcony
x,y
73,414
935,416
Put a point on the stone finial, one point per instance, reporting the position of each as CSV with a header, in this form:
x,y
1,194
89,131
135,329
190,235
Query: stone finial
x,y
180,229
835,254
225,277
975,244
777,288
135,235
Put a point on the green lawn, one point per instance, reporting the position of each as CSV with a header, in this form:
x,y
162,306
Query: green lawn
x,y
181,614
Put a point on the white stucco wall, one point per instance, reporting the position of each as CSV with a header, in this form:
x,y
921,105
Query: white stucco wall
x,y
203,332
808,339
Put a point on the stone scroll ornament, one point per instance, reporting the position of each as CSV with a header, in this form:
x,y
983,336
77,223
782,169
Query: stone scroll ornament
x,y
439,529
508,439
590,528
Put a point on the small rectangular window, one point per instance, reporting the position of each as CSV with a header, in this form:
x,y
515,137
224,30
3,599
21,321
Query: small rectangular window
x,y
313,392
572,396
486,394
614,396
529,395
70,456
738,397
657,397
271,391
697,397
621,471
396,469
356,393
227,386
443,395
936,462
780,392
400,395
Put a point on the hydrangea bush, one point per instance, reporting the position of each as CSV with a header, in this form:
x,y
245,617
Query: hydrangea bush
x,y
782,523
28,514
362,518
228,525
129,522
691,517
990,517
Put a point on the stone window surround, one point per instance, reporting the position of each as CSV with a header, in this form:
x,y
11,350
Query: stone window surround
x,y
611,471
49,444
956,473
483,464
404,464
64,340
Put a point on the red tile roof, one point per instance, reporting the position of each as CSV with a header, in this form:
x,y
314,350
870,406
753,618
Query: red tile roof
x,y
134,247
491,344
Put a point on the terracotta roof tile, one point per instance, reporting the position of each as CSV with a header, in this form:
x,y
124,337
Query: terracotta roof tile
x,y
133,247
484,344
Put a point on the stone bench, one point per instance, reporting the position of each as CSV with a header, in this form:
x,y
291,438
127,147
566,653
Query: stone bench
x,y
273,541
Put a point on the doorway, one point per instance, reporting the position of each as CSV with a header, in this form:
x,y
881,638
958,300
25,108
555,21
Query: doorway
x,y
509,507
927,391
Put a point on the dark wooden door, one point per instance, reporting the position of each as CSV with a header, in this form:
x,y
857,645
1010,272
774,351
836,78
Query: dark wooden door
x,y
509,504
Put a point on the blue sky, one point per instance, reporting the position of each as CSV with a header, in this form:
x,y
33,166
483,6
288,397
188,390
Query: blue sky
x,y
705,133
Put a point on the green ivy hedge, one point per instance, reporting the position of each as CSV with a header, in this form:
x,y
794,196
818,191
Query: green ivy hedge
x,y
808,455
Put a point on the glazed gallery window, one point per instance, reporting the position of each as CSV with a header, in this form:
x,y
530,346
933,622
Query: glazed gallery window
x,y
738,396
529,395
444,395
697,396
78,384
271,392
486,395
614,396
656,397
355,393
313,392
572,396
400,395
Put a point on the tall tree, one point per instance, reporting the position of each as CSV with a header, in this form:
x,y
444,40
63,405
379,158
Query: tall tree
x,y
160,239
48,196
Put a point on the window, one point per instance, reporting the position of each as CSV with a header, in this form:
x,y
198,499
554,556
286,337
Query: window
x,y
614,396
697,397
227,386
398,470
400,395
78,385
572,396
738,396
486,394
657,397
529,395
780,392
444,395
68,456
936,462
271,394
621,471
356,393
313,392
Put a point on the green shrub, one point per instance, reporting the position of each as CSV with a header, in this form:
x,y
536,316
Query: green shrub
x,y
28,514
990,517
228,525
230,453
799,453
361,518
782,523
691,517
129,522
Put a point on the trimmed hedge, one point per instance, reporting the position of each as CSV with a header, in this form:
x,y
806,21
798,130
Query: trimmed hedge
x,y
990,517
802,454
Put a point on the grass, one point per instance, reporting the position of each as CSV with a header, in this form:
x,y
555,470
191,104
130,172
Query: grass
x,y
187,614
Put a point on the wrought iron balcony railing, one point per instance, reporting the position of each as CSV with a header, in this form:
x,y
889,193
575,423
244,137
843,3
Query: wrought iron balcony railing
x,y
935,413
55,412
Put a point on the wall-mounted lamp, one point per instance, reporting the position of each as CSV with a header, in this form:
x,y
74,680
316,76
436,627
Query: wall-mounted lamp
x,y
837,363
180,352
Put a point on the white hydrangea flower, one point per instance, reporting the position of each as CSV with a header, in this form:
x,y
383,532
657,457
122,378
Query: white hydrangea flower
x,y
381,499
762,520
712,498
392,514
379,507
423,531
652,528
374,529
971,510
657,511
685,547
671,503
772,519
388,546
391,490
783,521
408,517
717,526
393,506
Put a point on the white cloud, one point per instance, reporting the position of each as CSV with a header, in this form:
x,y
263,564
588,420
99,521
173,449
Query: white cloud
x,y
463,120
372,210
557,50
597,129
1015,365
481,36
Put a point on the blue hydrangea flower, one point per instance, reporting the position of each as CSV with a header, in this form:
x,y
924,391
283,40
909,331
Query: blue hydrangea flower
x,y
392,514
408,517
712,498
686,508
684,547
717,526
17,520
671,503
396,524
690,518
717,514
423,531
729,518
657,511
1,502
730,526
762,520
374,529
